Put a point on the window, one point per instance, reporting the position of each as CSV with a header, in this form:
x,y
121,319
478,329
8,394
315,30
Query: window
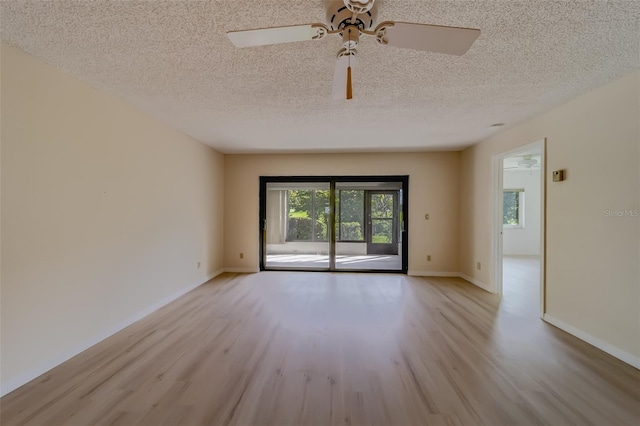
x,y
351,216
513,208
308,215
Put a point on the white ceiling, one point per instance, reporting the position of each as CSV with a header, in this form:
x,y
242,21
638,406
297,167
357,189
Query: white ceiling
x,y
173,60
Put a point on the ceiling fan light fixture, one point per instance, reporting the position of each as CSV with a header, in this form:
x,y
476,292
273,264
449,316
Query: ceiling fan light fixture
x,y
359,6
527,162
351,37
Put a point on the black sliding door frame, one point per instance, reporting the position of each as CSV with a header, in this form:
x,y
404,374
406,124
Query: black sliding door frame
x,y
372,246
332,180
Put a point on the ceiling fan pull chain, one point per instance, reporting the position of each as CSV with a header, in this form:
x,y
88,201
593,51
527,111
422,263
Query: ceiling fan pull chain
x,y
349,87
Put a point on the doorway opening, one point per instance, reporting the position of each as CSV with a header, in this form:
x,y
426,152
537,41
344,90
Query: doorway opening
x,y
519,227
334,223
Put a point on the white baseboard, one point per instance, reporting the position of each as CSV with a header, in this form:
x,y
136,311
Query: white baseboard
x,y
432,274
476,282
450,274
25,377
630,359
241,270
212,276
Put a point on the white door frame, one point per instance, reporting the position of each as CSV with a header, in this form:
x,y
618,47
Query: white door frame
x,y
497,228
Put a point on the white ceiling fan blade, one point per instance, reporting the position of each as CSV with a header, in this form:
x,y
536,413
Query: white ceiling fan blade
x,y
276,35
339,90
432,38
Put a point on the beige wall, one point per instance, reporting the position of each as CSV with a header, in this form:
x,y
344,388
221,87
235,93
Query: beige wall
x,y
433,189
593,272
105,214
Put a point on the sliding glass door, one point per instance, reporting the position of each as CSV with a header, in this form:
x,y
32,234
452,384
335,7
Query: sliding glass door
x,y
333,223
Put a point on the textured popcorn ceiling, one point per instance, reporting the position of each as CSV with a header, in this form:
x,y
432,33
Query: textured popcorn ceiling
x,y
173,60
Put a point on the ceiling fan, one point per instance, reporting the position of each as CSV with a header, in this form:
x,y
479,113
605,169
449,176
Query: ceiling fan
x,y
351,19
528,162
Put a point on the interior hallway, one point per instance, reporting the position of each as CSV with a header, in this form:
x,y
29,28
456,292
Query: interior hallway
x,y
521,285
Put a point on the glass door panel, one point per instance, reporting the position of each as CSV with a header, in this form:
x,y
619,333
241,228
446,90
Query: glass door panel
x,y
351,247
367,226
297,226
383,223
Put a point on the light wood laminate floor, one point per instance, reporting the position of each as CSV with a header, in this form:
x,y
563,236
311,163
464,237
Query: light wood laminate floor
x,y
291,348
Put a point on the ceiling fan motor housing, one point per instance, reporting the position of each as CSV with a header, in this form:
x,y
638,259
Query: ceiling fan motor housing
x,y
528,162
339,16
359,6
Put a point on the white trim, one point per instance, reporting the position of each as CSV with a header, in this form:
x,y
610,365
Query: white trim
x,y
212,276
497,231
432,274
497,170
452,275
25,377
630,359
241,270
476,282
543,225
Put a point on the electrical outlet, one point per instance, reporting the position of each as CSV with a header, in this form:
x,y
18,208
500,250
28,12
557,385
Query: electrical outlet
x,y
428,258
198,265
478,266
241,255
